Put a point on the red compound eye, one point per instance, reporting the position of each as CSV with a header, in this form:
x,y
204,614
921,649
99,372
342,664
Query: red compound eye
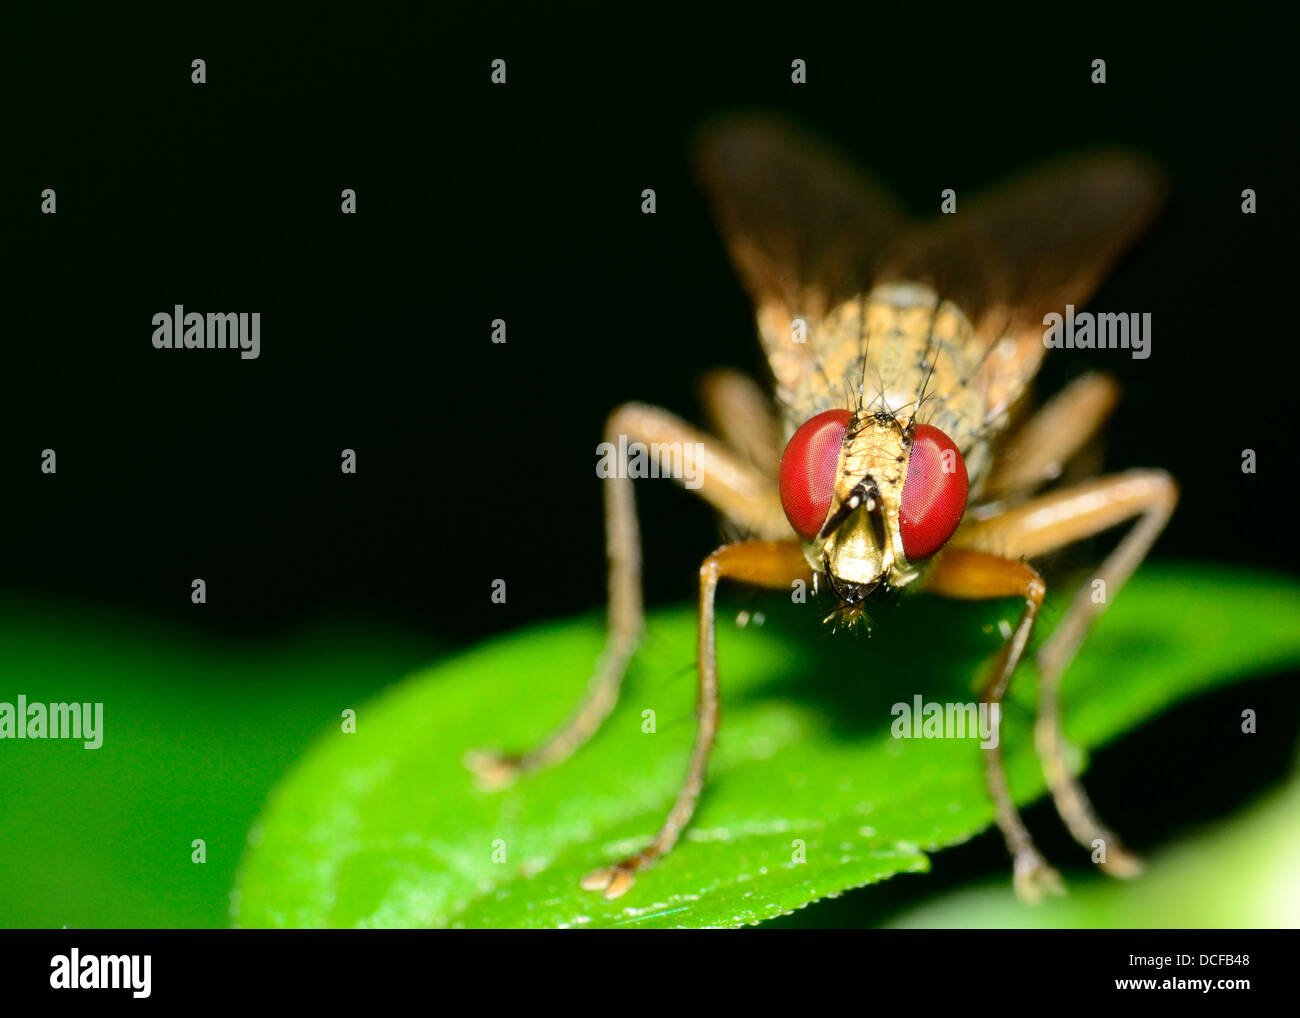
x,y
808,471
934,493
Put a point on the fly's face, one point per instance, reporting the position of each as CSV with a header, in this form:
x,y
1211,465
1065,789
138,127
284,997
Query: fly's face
x,y
872,497
859,546
877,488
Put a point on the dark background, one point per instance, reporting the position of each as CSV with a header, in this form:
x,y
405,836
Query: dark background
x,y
522,202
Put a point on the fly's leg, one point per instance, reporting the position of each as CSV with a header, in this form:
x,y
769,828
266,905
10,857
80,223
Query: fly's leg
x,y
775,564
741,413
976,575
1052,521
1038,451
702,464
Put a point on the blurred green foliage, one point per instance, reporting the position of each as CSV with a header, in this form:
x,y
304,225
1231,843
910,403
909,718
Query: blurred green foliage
x,y
196,733
1240,874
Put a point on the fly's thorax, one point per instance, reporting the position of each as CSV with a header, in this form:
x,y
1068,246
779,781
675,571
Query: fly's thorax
x,y
862,547
893,346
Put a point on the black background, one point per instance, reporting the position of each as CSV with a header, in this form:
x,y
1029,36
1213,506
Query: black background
x,y
476,461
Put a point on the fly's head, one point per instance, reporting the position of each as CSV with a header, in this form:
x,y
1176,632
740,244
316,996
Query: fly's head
x,y
872,496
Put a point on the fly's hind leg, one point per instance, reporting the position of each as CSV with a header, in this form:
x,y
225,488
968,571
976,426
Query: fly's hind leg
x,y
701,464
1053,521
1039,449
741,413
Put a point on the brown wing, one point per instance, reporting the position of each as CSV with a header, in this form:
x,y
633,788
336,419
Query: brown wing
x,y
804,231
1029,247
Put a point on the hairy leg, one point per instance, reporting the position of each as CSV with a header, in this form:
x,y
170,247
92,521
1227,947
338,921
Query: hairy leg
x,y
741,413
976,575
775,564
1038,450
727,482
1053,521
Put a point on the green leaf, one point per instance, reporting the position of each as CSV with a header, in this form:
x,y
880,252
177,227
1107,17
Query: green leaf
x,y
385,827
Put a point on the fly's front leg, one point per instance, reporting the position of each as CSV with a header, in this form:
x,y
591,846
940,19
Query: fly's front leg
x,y
977,576
701,464
775,564
1044,524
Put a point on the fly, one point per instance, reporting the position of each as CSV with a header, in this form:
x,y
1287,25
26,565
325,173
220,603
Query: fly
x,y
899,451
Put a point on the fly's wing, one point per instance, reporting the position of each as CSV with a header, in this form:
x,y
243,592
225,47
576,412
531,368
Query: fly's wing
x,y
807,234
804,231
1026,249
